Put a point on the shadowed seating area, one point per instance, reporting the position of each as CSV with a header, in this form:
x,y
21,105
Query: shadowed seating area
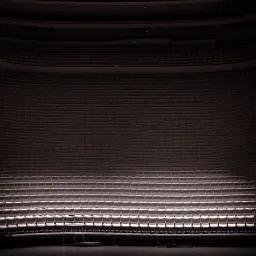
x,y
127,123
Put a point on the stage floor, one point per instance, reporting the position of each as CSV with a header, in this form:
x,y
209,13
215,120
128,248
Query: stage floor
x,y
126,251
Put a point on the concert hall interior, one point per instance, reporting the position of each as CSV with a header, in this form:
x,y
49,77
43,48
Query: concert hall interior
x,y
127,127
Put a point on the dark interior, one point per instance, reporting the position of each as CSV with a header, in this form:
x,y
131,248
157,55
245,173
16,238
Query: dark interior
x,y
127,125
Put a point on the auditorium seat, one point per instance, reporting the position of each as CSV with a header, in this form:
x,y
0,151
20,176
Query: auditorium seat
x,y
170,222
107,221
116,221
152,221
240,221
50,221
161,222
32,221
125,222
223,221
250,221
21,221
205,221
59,221
143,222
97,220
188,221
40,221
11,222
3,224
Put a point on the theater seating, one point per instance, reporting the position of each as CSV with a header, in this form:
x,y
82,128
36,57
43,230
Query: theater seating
x,y
176,201
129,126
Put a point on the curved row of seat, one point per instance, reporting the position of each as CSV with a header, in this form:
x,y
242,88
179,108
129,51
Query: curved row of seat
x,y
125,9
84,54
235,28
160,211
126,222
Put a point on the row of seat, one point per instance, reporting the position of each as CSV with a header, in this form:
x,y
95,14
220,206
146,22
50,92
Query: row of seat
x,y
128,221
135,82
119,173
172,197
83,178
82,55
95,183
159,194
141,204
184,211
95,189
38,194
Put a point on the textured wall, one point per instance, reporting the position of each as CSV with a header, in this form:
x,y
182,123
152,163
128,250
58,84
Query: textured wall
x,y
127,122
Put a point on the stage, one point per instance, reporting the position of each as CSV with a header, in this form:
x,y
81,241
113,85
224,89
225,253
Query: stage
x,y
115,250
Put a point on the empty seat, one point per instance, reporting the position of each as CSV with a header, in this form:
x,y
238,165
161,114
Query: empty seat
x,y
152,221
25,211
79,220
205,222
143,221
116,221
179,222
49,220
125,221
161,213
240,221
231,221
107,221
196,221
21,221
11,222
59,211
97,220
69,211
95,211
187,222
69,220
31,221
170,222
250,211
152,212
250,221
33,211
240,211
59,220
134,212
134,221
40,221
161,222
143,212
126,211
3,223
223,221
106,211
51,210
213,212
213,221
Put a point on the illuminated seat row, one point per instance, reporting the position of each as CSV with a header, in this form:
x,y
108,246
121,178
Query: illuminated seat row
x,y
124,203
127,221
129,211
76,189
